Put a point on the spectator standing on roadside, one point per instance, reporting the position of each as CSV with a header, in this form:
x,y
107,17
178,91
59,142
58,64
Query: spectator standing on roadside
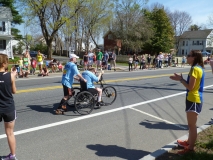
x,y
99,57
112,59
134,57
169,59
105,59
7,105
39,58
130,62
160,60
142,62
166,59
90,55
183,61
86,59
194,97
149,61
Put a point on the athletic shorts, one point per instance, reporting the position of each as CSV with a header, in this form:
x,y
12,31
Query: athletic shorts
x,y
93,91
40,63
99,62
8,117
193,107
66,90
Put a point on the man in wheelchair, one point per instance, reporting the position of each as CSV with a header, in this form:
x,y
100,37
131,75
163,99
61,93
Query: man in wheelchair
x,y
70,70
90,76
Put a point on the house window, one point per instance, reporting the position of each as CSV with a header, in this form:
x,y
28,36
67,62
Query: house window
x,y
209,43
2,26
110,36
186,52
197,42
182,52
2,44
186,43
183,43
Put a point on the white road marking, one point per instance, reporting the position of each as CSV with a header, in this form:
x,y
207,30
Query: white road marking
x,y
93,115
158,118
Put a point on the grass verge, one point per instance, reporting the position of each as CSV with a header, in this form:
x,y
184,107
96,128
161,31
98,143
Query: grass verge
x,y
203,148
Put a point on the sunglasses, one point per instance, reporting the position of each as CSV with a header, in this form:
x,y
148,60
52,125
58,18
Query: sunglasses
x,y
190,55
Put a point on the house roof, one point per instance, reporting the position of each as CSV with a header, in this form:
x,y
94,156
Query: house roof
x,y
196,34
5,13
108,32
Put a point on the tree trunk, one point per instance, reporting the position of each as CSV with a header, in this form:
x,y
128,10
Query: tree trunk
x,y
49,50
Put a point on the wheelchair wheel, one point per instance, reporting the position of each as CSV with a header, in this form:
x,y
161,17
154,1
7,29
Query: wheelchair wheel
x,y
84,103
109,95
70,101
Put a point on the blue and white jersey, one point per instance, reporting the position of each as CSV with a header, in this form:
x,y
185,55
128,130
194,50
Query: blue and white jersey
x,y
70,70
91,78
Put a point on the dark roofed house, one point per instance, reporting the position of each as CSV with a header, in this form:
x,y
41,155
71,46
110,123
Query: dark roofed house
x,y
5,31
196,40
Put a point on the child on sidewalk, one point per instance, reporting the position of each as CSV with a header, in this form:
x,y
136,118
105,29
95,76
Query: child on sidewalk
x,y
7,106
34,65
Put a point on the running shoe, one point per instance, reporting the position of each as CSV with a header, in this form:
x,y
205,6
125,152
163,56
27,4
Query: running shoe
x,y
9,157
185,151
182,143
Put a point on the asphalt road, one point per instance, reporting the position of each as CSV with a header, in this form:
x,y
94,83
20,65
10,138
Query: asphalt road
x,y
147,114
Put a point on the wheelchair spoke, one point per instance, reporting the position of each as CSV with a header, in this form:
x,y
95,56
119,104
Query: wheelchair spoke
x,y
84,103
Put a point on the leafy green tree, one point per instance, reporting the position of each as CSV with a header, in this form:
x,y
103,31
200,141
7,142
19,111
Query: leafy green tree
x,y
163,38
51,15
42,47
194,27
20,47
130,25
17,18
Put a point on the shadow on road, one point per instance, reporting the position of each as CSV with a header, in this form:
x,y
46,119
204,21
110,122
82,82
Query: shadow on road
x,y
163,125
50,108
116,151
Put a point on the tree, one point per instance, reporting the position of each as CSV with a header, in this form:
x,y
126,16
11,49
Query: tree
x,y
130,25
194,27
180,22
51,14
95,19
163,31
17,18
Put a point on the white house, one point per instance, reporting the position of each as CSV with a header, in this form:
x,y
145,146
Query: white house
x,y
196,40
5,31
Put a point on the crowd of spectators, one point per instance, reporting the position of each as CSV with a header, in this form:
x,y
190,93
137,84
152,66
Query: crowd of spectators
x,y
27,65
99,60
144,61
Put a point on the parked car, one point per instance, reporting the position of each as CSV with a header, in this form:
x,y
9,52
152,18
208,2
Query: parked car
x,y
33,53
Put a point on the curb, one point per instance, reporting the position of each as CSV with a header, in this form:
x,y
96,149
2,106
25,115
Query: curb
x,y
171,145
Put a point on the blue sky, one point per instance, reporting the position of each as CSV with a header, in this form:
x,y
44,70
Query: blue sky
x,y
199,10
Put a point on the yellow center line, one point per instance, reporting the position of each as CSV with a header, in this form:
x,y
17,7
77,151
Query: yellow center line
x,y
107,81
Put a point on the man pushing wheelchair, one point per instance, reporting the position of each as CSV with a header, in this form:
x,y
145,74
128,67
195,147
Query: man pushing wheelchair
x,y
70,70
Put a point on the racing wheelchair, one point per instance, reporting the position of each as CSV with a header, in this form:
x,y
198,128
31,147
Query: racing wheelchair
x,y
85,100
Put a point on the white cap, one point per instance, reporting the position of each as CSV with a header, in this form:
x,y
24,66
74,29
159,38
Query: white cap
x,y
73,55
